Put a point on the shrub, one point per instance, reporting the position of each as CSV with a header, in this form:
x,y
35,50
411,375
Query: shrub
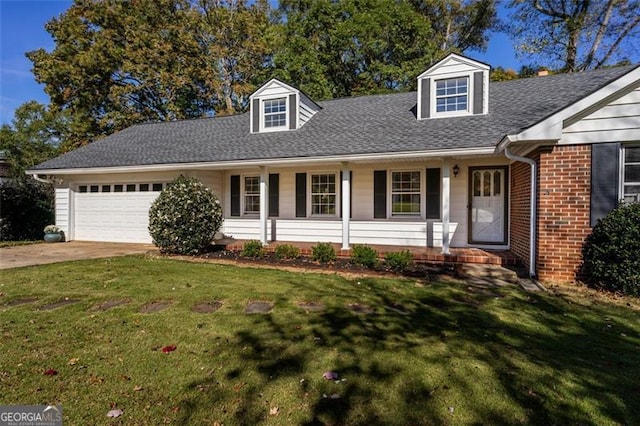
x,y
323,253
26,208
184,217
287,251
398,261
611,253
364,255
252,248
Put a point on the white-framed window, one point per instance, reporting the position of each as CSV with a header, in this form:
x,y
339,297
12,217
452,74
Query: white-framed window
x,y
631,174
324,194
452,95
275,113
251,195
406,193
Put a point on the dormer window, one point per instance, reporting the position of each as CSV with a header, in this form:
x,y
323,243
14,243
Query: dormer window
x,y
275,112
454,87
452,95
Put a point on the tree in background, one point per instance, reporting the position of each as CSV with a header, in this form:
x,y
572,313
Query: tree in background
x,y
574,35
33,136
118,63
349,47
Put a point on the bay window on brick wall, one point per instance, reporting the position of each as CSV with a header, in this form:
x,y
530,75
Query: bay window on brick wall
x,y
631,174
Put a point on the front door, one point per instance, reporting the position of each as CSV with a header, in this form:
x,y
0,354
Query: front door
x,y
487,205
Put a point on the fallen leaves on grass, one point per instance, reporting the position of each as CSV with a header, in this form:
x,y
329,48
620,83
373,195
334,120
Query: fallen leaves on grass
x,y
50,372
168,349
274,411
137,388
73,361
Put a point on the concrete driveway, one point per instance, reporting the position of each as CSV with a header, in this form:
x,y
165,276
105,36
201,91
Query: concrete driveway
x,y
39,254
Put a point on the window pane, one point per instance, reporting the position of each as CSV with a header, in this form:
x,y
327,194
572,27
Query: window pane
x,y
275,112
486,184
131,187
452,94
405,192
632,154
82,188
157,187
323,194
93,188
477,178
632,173
497,182
144,187
106,188
117,188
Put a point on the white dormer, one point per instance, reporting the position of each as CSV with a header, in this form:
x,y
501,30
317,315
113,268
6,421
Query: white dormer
x,y
277,107
453,87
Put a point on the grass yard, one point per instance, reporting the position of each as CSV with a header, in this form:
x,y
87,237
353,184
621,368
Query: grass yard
x,y
429,353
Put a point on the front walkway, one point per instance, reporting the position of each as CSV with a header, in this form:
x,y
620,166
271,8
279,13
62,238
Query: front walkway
x,y
39,254
420,254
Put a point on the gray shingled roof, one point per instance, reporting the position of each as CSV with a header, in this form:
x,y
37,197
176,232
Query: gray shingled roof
x,y
358,125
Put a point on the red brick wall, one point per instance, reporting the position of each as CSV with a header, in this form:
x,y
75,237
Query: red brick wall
x,y
563,210
519,210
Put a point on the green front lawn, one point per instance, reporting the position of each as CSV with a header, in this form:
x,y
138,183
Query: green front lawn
x,y
430,353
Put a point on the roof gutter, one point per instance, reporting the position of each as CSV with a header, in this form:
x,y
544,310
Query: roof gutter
x,y
533,210
39,179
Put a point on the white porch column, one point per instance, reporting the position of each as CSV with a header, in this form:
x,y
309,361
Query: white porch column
x,y
445,206
346,205
264,197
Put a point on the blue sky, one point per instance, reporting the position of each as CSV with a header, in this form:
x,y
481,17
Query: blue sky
x,y
22,30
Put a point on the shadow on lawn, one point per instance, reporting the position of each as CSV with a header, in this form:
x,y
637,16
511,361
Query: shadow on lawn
x,y
590,350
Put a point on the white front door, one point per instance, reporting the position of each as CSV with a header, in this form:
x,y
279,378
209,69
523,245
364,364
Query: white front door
x,y
487,205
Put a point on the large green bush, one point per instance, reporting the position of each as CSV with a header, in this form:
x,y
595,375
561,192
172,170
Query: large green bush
x,y
184,217
611,253
26,207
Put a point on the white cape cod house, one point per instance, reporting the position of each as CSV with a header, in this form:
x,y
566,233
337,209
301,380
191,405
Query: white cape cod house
x,y
525,165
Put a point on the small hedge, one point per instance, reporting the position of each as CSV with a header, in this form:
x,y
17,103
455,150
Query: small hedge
x,y
287,251
26,206
185,217
364,255
398,261
323,253
611,253
252,248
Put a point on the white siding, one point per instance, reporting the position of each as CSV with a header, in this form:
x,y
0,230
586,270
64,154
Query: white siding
x,y
389,233
274,89
244,229
618,121
62,209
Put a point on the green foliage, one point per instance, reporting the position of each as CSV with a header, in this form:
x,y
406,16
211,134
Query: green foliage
x,y
572,34
364,255
184,217
32,137
611,253
253,248
287,251
116,63
323,253
398,261
27,207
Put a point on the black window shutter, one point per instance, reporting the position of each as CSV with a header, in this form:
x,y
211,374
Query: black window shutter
x,y
605,160
433,194
301,195
380,194
274,194
235,195
425,99
293,112
255,111
350,193
478,101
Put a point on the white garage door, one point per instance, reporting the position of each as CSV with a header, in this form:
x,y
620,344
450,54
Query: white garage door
x,y
114,213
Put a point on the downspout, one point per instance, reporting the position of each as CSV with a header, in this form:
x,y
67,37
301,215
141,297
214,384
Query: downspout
x,y
532,214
